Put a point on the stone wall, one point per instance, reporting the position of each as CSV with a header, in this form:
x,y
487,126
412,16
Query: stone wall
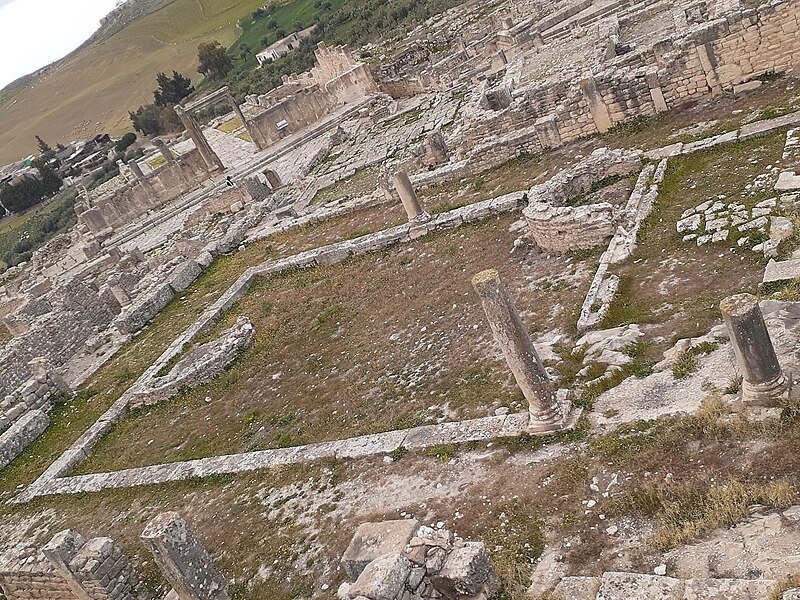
x,y
299,110
28,576
559,228
70,567
78,313
566,228
35,394
22,434
707,59
200,364
134,199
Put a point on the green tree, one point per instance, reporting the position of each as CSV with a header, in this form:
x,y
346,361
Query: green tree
x,y
214,61
151,119
244,51
125,141
43,146
171,90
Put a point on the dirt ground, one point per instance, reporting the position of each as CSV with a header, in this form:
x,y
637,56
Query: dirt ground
x,y
386,341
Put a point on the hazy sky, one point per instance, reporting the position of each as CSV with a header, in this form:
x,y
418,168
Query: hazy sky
x,y
34,33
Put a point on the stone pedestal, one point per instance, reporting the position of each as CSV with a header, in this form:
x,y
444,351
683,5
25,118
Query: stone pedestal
x,y
515,344
408,197
182,560
763,381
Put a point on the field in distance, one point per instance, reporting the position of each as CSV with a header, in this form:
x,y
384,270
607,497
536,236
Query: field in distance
x,y
100,83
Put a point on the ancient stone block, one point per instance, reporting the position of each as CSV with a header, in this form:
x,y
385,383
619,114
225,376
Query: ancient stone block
x,y
382,579
372,540
183,275
21,435
467,571
633,586
182,560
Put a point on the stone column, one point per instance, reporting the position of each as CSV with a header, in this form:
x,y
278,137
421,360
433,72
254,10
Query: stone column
x,y
247,125
182,560
162,147
273,179
141,179
409,197
213,162
656,93
705,53
515,344
763,381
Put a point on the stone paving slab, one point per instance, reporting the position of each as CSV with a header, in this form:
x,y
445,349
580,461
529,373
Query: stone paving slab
x,y
784,270
635,586
727,589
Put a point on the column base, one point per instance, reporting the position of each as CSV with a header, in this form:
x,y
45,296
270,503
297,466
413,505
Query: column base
x,y
568,420
765,394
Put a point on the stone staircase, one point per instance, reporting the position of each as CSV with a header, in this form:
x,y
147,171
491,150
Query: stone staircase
x,y
637,586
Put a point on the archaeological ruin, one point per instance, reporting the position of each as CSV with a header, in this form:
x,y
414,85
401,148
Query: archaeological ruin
x,y
504,307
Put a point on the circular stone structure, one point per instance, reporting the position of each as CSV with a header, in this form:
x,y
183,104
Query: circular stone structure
x,y
557,227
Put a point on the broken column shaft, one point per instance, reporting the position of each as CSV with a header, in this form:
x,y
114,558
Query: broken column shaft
x,y
515,344
408,197
763,381
182,560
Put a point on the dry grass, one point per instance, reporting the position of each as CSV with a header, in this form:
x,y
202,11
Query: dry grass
x,y
687,514
677,285
389,340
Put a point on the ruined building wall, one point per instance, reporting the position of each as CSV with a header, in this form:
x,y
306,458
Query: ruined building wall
x,y
351,86
78,314
710,58
299,110
22,580
133,200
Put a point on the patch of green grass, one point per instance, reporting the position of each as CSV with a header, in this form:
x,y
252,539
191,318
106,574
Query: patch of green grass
x,y
398,453
685,366
327,315
444,452
637,349
688,363
637,124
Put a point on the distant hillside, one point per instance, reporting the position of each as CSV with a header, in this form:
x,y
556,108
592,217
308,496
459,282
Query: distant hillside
x,y
93,88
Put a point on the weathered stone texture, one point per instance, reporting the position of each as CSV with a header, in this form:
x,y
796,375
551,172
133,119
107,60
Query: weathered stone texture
x,y
200,364
21,435
557,227
182,560
401,560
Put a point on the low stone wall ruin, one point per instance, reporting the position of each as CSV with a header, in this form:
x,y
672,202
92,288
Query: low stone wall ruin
x,y
22,434
706,59
200,364
35,394
78,312
133,200
567,228
401,560
559,228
